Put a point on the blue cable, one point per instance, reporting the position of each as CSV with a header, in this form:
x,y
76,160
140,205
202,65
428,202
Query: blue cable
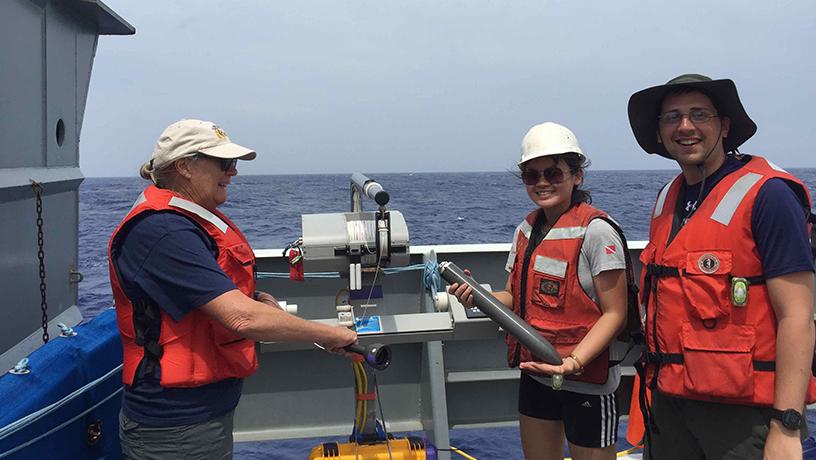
x,y
280,275
430,275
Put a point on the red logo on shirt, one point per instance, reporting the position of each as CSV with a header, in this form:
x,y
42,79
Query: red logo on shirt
x,y
610,249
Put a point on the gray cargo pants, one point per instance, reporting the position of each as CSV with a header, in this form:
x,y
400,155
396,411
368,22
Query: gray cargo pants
x,y
211,440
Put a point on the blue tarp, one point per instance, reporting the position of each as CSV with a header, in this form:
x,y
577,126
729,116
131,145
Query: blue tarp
x,y
59,368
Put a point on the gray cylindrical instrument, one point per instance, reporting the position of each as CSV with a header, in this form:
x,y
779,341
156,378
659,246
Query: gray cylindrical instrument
x,y
496,311
370,188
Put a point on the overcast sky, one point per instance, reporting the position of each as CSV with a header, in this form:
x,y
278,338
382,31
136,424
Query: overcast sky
x,y
334,86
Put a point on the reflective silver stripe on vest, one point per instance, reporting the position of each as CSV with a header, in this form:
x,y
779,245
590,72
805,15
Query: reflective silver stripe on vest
x,y
565,233
728,205
200,212
661,200
550,266
526,229
141,199
774,166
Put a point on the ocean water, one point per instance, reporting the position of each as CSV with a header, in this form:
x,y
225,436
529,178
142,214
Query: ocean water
x,y
439,208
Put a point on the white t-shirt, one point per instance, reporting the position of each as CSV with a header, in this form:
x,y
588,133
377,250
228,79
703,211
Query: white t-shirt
x,y
601,250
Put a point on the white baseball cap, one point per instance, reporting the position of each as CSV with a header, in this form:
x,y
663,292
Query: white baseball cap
x,y
549,139
185,138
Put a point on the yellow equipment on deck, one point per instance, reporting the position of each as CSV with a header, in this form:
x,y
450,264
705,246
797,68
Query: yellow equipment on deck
x,y
410,448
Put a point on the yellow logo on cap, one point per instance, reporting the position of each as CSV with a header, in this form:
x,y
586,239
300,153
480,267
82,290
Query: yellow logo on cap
x,y
219,133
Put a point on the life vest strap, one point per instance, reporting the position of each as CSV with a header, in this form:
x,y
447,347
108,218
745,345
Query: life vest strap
x,y
677,358
661,271
752,280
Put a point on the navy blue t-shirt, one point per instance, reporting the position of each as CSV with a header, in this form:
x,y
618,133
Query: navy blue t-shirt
x,y
166,258
777,222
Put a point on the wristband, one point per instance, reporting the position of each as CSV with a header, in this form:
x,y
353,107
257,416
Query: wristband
x,y
578,362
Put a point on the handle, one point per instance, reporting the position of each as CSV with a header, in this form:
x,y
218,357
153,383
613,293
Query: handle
x,y
376,355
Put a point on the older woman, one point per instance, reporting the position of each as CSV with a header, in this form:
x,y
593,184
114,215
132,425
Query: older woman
x,y
183,281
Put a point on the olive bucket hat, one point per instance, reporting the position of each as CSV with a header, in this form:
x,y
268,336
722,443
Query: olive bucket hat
x,y
644,107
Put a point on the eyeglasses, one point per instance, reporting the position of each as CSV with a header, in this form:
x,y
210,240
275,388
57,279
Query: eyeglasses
x,y
553,175
227,164
696,116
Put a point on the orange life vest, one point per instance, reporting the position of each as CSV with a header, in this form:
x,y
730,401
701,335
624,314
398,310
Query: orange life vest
x,y
196,350
552,299
704,341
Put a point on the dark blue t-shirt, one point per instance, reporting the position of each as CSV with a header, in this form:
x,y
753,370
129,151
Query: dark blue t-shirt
x,y
170,261
777,222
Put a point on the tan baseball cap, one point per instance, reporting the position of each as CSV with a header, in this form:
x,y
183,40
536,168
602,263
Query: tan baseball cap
x,y
185,138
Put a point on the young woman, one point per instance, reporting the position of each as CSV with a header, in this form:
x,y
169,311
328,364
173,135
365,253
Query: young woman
x,y
568,280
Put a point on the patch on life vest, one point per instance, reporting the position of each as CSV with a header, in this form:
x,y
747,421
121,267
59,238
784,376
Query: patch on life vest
x,y
550,287
610,249
739,291
708,263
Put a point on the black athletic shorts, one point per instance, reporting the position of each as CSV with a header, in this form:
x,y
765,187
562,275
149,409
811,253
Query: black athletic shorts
x,y
589,420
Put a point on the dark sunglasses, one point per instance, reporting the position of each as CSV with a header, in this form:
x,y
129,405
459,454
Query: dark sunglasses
x,y
227,164
553,175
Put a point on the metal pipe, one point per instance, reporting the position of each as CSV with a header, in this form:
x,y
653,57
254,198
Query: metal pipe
x,y
370,188
496,311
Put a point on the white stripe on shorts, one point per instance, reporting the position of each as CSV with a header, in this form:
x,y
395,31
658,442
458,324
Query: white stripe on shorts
x,y
608,416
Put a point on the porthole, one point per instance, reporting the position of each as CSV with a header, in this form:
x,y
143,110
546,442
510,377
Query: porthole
x,y
60,132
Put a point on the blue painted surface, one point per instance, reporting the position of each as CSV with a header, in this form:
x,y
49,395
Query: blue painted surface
x,y
368,325
57,369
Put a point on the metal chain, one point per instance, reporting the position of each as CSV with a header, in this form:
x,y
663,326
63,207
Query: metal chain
x,y
38,190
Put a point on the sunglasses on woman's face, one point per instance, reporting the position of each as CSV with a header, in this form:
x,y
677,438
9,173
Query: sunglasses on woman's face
x,y
553,175
226,163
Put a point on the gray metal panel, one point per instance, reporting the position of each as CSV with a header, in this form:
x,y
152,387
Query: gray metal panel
x,y
20,313
476,370
61,86
106,20
22,70
434,408
86,50
310,393
46,59
70,317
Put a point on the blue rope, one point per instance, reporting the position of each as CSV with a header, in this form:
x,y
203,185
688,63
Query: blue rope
x,y
319,275
430,275
433,282
280,275
407,268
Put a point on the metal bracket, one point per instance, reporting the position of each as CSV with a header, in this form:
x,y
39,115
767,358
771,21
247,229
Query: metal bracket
x,y
75,276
